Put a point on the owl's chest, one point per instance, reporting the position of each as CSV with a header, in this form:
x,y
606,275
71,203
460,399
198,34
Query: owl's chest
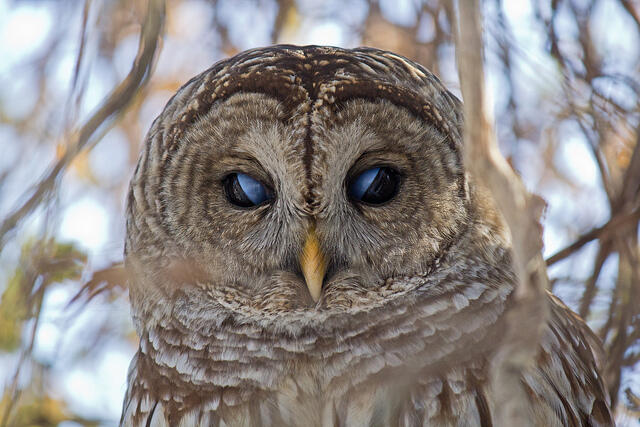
x,y
326,397
354,390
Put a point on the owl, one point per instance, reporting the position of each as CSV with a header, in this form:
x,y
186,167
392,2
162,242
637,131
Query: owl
x,y
306,248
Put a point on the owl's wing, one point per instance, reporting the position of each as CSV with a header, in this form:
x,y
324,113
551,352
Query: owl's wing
x,y
565,387
138,408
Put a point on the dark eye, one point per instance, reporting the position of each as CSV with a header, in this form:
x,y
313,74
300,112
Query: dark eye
x,y
245,191
375,185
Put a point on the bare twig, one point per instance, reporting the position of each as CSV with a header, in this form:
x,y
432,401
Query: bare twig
x,y
74,95
628,294
590,287
285,7
625,209
631,10
81,49
631,182
521,210
114,276
618,221
115,103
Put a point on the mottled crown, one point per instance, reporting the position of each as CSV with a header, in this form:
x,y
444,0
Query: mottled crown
x,y
309,77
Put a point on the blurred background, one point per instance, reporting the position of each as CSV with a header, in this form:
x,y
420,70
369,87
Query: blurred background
x,y
564,76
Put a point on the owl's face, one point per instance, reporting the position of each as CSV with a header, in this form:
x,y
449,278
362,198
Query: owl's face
x,y
293,184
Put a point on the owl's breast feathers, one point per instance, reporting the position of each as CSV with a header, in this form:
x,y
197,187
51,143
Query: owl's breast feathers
x,y
409,375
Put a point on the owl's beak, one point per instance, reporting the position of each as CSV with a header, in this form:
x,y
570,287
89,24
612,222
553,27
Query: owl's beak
x,y
313,264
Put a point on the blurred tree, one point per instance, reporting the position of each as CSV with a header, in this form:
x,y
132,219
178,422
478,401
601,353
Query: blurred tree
x,y
78,97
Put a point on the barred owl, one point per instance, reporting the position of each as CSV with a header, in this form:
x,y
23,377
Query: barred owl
x,y
307,249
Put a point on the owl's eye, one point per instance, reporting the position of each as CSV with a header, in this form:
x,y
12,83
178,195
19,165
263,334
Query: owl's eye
x,y
245,191
375,185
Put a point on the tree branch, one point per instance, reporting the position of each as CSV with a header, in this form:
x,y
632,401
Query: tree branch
x,y
115,104
526,316
618,221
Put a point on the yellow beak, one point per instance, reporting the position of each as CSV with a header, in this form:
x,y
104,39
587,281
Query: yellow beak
x,y
313,264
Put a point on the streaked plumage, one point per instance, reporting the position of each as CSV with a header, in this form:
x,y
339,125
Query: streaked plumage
x,y
412,290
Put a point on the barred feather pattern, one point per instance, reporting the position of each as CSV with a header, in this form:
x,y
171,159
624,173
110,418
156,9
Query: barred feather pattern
x,y
409,348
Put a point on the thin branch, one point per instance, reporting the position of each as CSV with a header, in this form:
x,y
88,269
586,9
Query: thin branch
x,y
631,10
81,49
74,95
590,287
115,103
615,223
285,7
631,181
627,282
110,278
628,196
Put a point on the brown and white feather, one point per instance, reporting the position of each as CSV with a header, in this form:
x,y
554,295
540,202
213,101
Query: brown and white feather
x,y
411,309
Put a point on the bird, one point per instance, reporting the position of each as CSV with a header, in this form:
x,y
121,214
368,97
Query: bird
x,y
305,247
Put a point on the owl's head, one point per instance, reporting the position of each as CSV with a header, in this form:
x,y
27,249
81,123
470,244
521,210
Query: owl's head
x,y
293,180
